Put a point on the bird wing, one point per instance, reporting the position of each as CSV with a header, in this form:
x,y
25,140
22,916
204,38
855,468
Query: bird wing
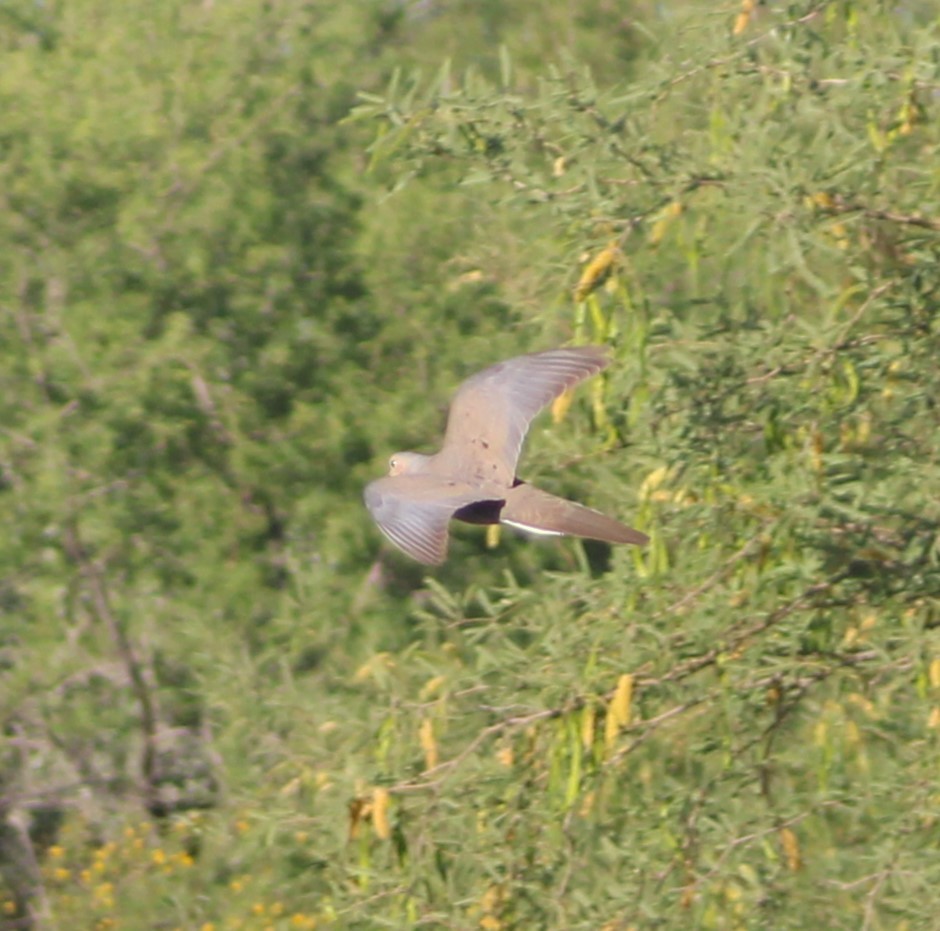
x,y
491,411
540,512
413,511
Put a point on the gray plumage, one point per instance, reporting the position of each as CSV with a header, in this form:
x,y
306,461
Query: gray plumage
x,y
473,477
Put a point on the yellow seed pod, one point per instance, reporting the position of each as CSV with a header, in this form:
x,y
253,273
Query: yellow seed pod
x,y
618,710
428,743
744,17
432,687
622,700
380,800
816,451
934,672
561,405
596,271
652,482
588,720
492,536
664,221
791,849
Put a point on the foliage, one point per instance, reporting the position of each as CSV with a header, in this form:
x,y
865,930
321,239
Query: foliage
x,y
230,289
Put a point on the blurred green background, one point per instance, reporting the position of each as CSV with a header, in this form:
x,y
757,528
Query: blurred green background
x,y
249,248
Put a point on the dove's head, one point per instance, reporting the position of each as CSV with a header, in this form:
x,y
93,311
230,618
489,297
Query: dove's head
x,y
408,464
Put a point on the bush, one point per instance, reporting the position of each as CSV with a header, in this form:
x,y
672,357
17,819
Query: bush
x,y
227,704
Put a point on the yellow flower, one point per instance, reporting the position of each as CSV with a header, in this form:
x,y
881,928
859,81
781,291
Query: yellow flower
x,y
104,895
300,920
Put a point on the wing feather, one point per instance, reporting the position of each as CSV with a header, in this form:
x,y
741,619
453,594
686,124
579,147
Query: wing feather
x,y
413,511
491,411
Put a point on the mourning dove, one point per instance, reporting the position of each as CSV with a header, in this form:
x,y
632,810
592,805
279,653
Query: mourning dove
x,y
473,477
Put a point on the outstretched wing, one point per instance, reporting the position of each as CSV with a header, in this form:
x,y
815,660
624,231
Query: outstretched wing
x,y
491,412
540,512
413,511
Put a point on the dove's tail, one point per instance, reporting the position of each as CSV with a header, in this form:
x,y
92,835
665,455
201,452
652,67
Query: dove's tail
x,y
537,511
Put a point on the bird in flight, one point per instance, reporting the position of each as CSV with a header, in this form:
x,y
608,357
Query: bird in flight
x,y
473,477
